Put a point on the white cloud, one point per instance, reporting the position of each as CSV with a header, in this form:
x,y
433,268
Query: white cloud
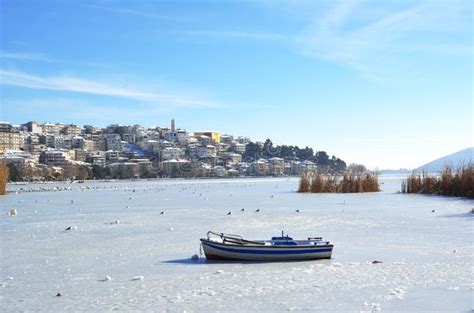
x,y
368,37
236,35
73,84
25,56
141,12
73,110
369,42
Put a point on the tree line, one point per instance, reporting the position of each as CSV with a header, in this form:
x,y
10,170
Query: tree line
x,y
255,151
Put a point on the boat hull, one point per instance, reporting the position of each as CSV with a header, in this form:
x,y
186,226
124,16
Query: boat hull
x,y
219,251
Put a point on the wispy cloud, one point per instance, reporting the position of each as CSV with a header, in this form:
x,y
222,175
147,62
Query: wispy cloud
x,y
367,37
368,43
25,56
73,84
65,109
236,35
150,13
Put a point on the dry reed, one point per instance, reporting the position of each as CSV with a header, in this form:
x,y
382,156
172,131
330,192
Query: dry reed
x,y
317,182
459,183
3,178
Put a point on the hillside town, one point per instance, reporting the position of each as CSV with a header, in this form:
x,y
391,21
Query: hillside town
x,y
35,151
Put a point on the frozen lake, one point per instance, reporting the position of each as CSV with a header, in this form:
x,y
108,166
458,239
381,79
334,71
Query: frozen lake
x,y
427,256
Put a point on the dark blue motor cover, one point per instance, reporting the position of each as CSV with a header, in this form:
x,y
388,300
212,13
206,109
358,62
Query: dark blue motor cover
x,y
282,238
285,243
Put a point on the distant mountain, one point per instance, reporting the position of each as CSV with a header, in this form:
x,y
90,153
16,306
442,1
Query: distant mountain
x,y
454,160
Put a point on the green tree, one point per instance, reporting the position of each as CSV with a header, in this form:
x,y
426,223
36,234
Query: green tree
x,y
304,154
15,172
322,158
252,152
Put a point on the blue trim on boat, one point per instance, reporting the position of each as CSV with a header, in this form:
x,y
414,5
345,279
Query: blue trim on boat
x,y
260,251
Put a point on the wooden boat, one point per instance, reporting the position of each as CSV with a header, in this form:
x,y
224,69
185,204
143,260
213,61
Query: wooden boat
x,y
220,246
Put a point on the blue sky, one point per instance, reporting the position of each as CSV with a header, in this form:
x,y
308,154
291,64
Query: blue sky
x,y
384,83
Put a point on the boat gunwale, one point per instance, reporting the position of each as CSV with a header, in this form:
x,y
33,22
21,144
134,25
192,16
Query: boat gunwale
x,y
328,245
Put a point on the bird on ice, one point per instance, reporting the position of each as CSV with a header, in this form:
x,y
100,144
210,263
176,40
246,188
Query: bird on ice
x,y
230,212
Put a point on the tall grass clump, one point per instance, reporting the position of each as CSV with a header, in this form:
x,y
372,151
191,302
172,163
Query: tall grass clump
x,y
305,182
3,178
351,182
458,183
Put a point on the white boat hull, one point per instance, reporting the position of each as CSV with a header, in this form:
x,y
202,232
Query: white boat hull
x,y
220,251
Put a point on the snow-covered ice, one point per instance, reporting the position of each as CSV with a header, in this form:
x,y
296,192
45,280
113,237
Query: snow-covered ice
x,y
118,237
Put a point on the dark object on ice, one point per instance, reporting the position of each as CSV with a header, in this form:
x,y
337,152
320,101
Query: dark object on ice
x,y
257,210
432,211
271,196
230,212
242,209
376,262
297,211
162,212
59,295
69,228
72,201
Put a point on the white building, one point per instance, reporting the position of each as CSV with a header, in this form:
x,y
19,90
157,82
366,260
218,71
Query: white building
x,y
243,140
33,127
182,137
227,139
113,142
50,129
204,140
53,158
177,166
152,146
171,153
206,151
77,142
222,148
238,147
232,157
219,171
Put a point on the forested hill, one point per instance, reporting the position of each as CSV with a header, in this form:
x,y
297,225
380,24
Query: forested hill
x,y
255,151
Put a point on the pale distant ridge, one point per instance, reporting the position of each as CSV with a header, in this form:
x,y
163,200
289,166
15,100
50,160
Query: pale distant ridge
x,y
454,160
